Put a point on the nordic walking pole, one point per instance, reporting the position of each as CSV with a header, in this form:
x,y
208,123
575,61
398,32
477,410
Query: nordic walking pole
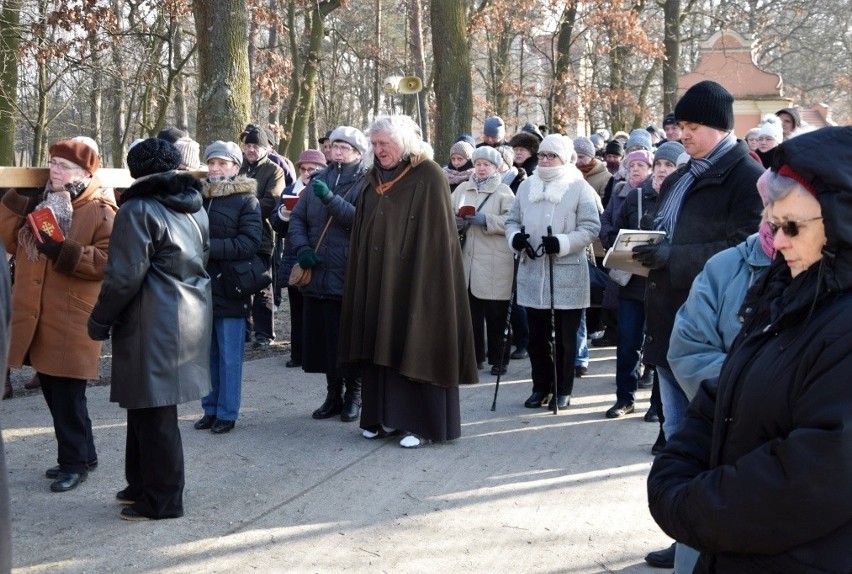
x,y
555,407
512,298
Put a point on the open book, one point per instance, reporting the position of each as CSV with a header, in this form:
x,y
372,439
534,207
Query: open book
x,y
620,255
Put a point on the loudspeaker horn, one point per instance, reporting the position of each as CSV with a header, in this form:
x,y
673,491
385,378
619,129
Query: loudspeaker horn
x,y
410,85
391,84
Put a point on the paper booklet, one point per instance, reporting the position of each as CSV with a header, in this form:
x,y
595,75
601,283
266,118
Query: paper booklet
x,y
44,220
620,255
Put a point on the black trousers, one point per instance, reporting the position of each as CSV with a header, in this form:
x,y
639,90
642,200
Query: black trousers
x,y
297,336
541,360
487,337
153,463
263,308
66,399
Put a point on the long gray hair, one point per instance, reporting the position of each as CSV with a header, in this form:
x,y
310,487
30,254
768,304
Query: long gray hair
x,y
401,130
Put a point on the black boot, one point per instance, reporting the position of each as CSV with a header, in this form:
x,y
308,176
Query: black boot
x,y
351,400
333,399
7,389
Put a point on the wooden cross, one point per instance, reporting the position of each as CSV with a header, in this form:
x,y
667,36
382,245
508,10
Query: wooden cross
x,y
22,177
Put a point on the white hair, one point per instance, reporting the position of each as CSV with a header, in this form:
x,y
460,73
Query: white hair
x,y
401,130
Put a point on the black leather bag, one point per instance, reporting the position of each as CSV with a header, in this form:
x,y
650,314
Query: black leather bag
x,y
245,277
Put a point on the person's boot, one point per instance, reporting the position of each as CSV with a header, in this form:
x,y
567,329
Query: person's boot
x,y
7,389
333,399
351,400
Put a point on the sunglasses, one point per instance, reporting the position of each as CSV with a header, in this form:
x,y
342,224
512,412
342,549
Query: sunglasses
x,y
790,228
547,156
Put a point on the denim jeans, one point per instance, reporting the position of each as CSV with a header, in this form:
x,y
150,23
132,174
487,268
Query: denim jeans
x,y
520,327
628,352
226,368
582,358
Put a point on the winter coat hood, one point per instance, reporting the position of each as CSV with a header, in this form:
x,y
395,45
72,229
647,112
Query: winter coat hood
x,y
180,191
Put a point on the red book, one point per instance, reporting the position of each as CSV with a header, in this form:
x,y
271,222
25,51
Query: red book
x,y
44,220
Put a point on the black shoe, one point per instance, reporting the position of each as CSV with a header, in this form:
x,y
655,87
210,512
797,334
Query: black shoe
x,y
580,371
603,342
535,400
646,381
293,363
54,471
651,416
495,370
329,408
133,515
261,343
620,409
563,401
660,444
661,558
124,497
221,427
66,481
205,422
520,353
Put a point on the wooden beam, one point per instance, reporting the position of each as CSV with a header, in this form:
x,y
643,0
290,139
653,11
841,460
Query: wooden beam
x,y
37,177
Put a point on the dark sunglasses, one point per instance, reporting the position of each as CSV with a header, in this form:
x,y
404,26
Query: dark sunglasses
x,y
790,228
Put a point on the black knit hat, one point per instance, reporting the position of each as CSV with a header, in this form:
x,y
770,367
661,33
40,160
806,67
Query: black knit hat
x,y
669,120
525,140
707,103
171,134
153,155
256,136
614,148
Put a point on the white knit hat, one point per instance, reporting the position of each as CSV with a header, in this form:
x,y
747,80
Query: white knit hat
x,y
771,126
560,145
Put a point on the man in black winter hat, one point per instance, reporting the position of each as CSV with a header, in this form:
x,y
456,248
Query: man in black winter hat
x,y
704,207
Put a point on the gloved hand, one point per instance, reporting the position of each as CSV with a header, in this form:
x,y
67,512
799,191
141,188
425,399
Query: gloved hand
x,y
653,256
97,332
320,188
476,219
551,244
519,241
49,247
459,223
308,258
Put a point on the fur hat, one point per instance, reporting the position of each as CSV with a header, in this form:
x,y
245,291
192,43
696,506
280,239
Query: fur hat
x,y
311,156
525,140
190,152
463,149
488,153
669,151
78,153
153,155
494,127
707,103
614,148
350,135
256,136
560,145
639,138
771,126
171,134
228,151
584,146
639,155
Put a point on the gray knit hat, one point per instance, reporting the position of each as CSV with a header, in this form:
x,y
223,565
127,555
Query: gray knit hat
x,y
488,153
670,151
584,146
463,149
350,135
228,151
639,138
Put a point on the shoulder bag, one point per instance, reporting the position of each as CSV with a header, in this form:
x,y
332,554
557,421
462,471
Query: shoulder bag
x,y
299,276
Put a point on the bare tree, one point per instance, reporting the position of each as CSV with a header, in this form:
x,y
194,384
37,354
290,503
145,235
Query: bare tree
x,y
9,43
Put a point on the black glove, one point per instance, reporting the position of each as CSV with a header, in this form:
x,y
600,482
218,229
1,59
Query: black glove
x,y
551,244
97,332
519,241
308,258
653,256
49,247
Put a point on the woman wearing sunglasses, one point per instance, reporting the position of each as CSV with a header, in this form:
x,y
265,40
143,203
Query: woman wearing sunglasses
x,y
758,479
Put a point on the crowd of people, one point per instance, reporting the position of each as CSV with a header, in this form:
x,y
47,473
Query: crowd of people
x,y
735,318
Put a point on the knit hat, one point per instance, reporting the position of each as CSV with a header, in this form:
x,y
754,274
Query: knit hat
x,y
325,137
560,145
597,141
584,146
311,156
488,153
683,159
77,153
153,155
793,113
639,155
639,138
525,140
622,135
468,139
771,126
669,120
494,127
171,134
189,151
531,129
463,149
350,135
256,136
669,151
707,103
228,151
614,148
507,153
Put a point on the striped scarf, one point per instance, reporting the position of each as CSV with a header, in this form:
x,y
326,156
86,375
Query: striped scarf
x,y
670,210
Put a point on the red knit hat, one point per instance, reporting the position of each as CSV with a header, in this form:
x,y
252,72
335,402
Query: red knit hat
x,y
788,171
77,153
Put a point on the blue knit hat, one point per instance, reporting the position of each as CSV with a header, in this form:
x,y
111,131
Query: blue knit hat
x,y
494,127
639,138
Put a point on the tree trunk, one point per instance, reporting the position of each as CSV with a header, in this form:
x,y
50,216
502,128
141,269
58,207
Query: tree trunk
x,y
377,75
290,113
671,44
9,43
96,95
453,84
415,20
224,94
119,107
181,115
562,69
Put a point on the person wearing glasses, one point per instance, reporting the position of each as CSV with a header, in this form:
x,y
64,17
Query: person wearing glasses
x,y
758,478
63,278
310,161
329,203
555,196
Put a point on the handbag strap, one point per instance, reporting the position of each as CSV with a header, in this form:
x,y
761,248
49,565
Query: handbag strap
x,y
322,235
639,208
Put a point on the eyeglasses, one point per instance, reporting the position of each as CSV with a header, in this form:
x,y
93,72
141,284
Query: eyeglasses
x,y
547,156
342,147
791,227
63,166
307,169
